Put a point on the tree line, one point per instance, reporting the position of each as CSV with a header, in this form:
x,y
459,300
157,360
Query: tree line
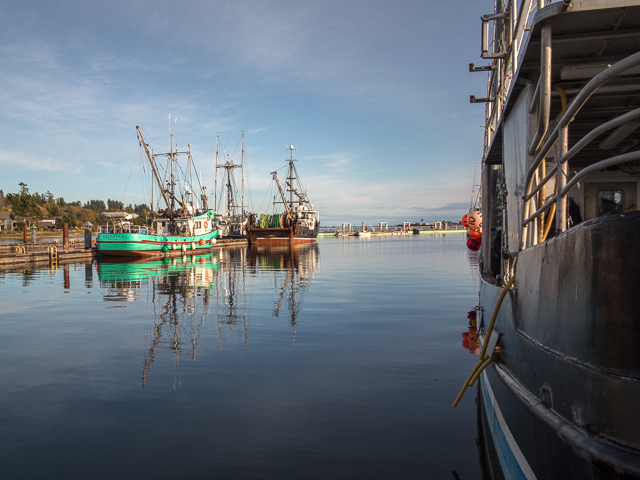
x,y
35,206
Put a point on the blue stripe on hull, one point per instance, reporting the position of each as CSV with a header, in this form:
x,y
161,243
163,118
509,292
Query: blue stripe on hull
x,y
514,465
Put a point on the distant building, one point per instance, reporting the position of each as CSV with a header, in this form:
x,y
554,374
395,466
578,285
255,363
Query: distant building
x,y
6,222
24,220
48,223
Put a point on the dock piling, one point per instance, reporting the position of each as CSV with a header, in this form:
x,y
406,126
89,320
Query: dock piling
x,y
65,236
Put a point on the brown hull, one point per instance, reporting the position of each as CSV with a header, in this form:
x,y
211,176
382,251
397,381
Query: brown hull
x,y
280,236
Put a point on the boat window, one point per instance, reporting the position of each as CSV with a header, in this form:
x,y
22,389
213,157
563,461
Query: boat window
x,y
198,225
609,202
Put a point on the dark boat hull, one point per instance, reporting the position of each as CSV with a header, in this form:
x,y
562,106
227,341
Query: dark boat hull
x,y
563,400
282,235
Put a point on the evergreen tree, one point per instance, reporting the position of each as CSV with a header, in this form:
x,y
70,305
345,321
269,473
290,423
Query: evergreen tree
x,y
97,206
68,216
114,205
4,203
23,204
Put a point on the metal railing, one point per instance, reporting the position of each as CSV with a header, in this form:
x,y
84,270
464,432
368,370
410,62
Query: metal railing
x,y
533,194
510,29
141,229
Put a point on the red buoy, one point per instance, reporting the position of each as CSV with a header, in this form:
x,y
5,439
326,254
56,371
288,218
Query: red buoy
x,y
464,220
473,245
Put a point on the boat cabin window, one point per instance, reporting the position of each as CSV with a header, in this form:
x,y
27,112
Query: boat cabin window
x,y
609,202
198,225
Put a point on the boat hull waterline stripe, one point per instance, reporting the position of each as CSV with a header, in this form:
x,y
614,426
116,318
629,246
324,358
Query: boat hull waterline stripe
x,y
512,461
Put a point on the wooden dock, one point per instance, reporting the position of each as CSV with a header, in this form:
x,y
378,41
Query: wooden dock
x,y
47,253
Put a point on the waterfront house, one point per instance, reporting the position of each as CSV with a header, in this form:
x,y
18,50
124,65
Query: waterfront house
x,y
6,222
48,223
20,221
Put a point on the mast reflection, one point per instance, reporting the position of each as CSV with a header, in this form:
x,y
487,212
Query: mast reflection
x,y
231,292
299,262
179,291
184,292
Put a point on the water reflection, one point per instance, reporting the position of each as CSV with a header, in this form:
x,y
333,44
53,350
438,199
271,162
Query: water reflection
x,y
185,292
366,387
231,293
299,262
179,291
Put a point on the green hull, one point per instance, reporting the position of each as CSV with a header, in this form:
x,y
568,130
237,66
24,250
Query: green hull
x,y
135,244
117,272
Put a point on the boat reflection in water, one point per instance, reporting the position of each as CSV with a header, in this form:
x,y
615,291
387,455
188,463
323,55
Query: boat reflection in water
x,y
185,292
179,290
299,263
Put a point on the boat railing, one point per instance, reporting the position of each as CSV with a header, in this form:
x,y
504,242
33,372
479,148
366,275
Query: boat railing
x,y
534,227
139,229
510,29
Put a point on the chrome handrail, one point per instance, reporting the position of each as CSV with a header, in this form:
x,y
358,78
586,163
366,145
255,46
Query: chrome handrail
x,y
560,131
616,122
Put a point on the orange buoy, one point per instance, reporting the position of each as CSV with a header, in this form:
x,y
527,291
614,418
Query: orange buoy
x,y
474,220
202,241
475,233
464,220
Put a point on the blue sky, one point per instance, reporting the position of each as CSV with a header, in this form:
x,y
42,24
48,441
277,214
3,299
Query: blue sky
x,y
375,95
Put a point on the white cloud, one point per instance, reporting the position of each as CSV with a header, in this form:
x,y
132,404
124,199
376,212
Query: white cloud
x,y
18,160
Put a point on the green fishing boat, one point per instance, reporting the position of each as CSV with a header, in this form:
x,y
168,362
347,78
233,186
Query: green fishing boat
x,y
183,227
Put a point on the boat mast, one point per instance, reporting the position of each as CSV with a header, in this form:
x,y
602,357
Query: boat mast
x,y
228,166
473,188
173,197
291,174
242,213
191,177
284,198
153,167
215,185
230,200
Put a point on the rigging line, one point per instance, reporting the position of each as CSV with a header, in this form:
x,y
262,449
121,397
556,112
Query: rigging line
x,y
236,148
127,184
265,197
248,190
148,136
144,181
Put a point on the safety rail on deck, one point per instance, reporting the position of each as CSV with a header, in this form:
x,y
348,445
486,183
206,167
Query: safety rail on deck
x,y
140,229
509,37
532,230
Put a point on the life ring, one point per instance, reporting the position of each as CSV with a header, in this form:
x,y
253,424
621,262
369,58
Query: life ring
x,y
206,224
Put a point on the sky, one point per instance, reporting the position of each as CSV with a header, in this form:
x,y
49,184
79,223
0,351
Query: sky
x,y
374,95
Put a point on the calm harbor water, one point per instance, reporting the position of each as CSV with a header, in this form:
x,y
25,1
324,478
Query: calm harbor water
x,y
334,360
